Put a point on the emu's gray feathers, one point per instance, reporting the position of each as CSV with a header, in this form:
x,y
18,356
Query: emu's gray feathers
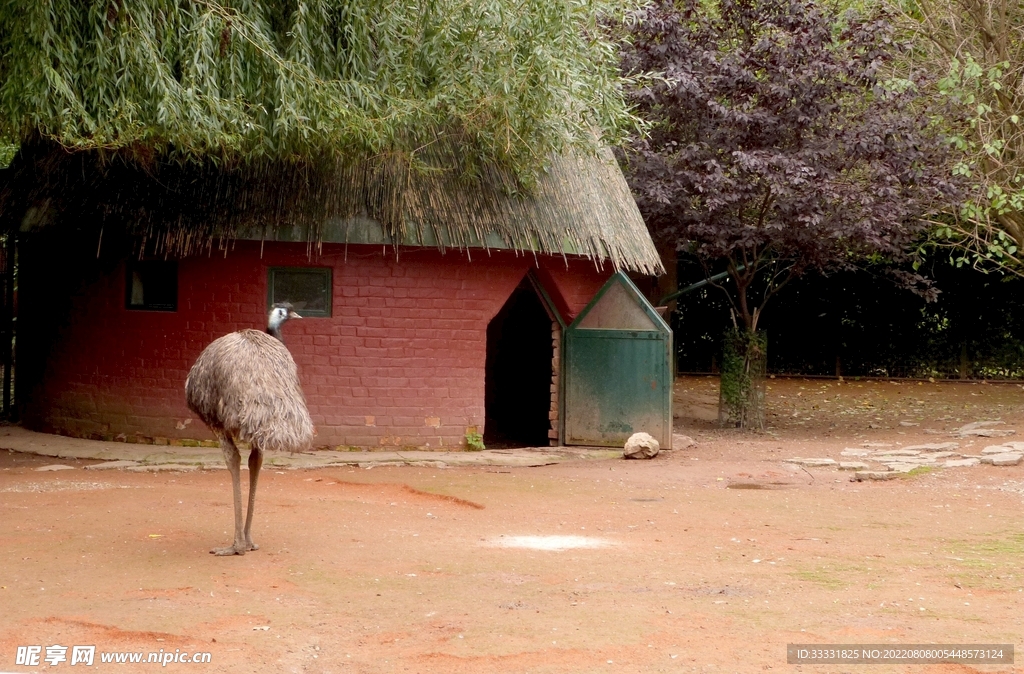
x,y
246,384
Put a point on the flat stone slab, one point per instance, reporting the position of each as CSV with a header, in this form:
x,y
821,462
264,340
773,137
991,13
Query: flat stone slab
x,y
862,475
902,467
896,452
1015,446
943,455
961,463
1001,449
851,451
812,463
53,467
913,460
852,465
975,425
112,465
1002,459
934,446
986,433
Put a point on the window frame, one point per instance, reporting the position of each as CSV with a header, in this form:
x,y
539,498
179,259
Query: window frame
x,y
131,266
326,272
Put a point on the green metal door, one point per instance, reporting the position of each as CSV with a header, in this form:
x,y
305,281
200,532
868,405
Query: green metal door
x,y
618,374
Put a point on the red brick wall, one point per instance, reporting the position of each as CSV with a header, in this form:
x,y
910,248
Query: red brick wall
x,y
399,363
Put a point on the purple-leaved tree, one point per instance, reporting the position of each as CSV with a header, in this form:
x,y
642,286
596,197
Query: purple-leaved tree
x,y
778,144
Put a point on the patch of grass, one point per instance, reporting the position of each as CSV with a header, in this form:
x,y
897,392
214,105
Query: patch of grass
x,y
984,560
831,577
920,470
1011,545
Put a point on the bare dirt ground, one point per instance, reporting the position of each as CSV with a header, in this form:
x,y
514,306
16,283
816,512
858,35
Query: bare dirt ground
x,y
401,569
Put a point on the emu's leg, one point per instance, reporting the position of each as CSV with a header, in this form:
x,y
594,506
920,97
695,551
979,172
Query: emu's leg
x,y
234,461
255,463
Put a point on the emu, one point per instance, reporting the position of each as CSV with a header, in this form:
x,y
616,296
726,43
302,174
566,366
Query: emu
x,y
245,387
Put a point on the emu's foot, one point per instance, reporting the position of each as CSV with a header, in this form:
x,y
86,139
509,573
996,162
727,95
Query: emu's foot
x,y
252,546
231,550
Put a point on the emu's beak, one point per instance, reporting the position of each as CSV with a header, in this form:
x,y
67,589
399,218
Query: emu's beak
x,y
292,314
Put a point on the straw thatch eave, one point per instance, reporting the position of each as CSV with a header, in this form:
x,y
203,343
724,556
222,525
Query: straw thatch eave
x,y
579,206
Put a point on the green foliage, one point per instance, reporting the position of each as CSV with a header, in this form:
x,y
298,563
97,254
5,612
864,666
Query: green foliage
x,y
7,152
975,52
512,80
475,442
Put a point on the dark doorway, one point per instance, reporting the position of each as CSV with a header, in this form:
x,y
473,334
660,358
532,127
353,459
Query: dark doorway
x,y
518,375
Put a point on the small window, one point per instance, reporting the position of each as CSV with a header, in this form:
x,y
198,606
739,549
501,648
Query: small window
x,y
307,288
151,285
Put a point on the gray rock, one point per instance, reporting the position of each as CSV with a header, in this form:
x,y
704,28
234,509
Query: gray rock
x,y
641,446
997,449
851,451
896,452
53,467
812,462
983,429
943,455
160,467
908,424
1015,446
916,460
975,425
935,446
1007,459
863,475
902,467
852,465
961,463
987,433
682,441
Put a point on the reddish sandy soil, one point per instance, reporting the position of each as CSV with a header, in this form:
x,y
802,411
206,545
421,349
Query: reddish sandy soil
x,y
400,569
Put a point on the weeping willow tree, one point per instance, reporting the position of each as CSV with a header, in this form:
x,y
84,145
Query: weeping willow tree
x,y
510,81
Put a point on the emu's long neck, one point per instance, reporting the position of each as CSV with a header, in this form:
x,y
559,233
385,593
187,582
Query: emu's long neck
x,y
275,331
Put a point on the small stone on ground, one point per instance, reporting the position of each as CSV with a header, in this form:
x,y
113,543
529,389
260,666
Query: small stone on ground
x,y
641,446
813,463
862,475
682,441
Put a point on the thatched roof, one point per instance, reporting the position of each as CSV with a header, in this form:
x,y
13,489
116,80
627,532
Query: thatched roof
x,y
580,206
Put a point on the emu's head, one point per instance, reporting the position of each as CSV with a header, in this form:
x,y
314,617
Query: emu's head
x,y
279,313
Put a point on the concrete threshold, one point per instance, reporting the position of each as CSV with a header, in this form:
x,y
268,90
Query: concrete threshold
x,y
130,456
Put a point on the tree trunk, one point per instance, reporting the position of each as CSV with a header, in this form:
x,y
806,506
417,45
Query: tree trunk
x,y
741,400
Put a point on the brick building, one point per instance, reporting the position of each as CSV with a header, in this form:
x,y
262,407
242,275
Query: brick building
x,y
418,331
